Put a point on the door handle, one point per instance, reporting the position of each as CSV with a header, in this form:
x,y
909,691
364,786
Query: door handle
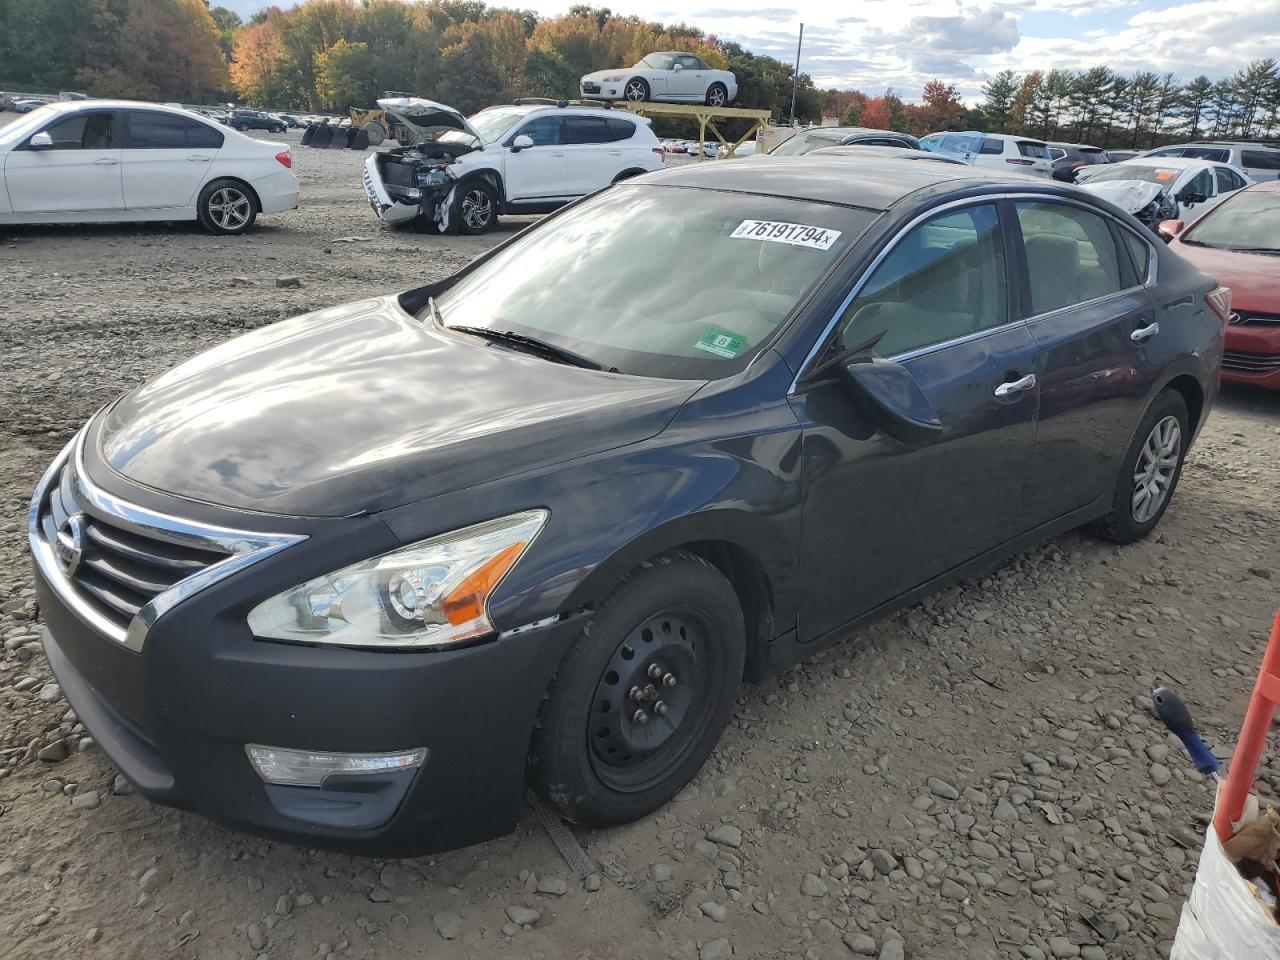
x,y
557,154
199,159
105,162
1016,386
1145,333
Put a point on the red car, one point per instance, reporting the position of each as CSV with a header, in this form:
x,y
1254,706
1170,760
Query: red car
x,y
1238,242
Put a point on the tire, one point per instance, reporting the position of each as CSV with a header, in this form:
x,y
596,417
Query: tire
x,y
376,132
636,90
227,207
591,757
241,127
361,140
475,208
1164,432
717,95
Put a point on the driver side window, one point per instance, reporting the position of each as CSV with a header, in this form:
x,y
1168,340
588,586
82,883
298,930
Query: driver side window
x,y
83,131
544,131
943,280
1202,184
689,63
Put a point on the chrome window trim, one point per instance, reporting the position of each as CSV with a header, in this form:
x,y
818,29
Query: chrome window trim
x,y
955,205
245,547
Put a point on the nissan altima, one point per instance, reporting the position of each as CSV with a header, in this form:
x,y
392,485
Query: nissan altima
x,y
357,579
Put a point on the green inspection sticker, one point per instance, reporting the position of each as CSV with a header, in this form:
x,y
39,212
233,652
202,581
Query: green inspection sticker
x,y
722,343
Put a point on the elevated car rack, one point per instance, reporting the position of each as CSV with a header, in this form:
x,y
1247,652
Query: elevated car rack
x,y
706,118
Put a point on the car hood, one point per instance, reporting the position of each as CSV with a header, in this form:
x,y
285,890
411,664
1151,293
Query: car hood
x,y
426,118
361,408
1129,195
1254,278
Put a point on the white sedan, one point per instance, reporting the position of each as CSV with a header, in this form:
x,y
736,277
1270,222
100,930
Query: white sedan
x,y
673,77
105,161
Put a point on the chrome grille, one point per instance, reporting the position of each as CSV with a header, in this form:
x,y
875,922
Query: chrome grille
x,y
120,566
117,570
1244,318
1250,362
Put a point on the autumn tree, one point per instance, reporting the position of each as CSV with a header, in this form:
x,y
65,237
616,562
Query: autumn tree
x,y
940,109
344,75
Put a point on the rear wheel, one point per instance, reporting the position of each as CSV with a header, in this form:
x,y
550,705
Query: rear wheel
x,y
227,207
643,695
636,90
1149,472
717,95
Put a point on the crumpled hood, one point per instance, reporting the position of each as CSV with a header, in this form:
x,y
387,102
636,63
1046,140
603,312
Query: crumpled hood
x,y
360,408
426,117
1129,195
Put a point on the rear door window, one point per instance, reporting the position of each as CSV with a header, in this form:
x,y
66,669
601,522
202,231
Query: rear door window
x,y
162,131
1261,159
1071,255
1228,179
990,145
942,281
1030,149
585,130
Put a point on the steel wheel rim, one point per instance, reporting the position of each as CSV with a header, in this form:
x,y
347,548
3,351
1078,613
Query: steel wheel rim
x,y
1154,472
476,209
717,97
635,90
229,208
666,659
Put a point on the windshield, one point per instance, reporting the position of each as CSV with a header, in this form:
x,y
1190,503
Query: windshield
x,y
1249,220
490,124
802,143
657,61
658,281
1136,171
24,126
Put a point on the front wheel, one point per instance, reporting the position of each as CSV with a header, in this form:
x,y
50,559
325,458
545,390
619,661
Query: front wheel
x,y
643,695
475,207
636,90
1149,472
717,95
226,207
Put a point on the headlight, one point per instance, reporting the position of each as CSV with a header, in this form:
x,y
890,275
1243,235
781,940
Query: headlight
x,y
616,79
429,595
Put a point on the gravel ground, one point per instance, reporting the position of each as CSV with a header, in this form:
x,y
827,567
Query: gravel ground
x,y
978,777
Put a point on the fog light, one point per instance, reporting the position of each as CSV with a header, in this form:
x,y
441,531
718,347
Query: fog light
x,y
303,768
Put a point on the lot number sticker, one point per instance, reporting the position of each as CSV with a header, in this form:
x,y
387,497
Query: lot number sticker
x,y
796,234
722,343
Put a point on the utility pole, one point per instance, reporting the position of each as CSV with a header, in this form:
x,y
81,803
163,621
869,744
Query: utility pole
x,y
795,77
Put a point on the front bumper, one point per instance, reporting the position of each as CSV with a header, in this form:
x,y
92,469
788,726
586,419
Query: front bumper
x,y
175,718
387,208
1253,355
601,91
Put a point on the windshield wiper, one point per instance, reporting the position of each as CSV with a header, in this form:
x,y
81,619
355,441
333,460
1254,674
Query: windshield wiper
x,y
1266,251
548,351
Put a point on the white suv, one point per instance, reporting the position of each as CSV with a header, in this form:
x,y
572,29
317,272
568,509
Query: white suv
x,y
530,157
999,151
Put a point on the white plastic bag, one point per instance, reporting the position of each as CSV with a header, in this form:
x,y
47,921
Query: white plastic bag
x,y
1222,919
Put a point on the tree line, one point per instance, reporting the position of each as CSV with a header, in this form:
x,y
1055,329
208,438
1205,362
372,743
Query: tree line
x,y
334,54
1106,108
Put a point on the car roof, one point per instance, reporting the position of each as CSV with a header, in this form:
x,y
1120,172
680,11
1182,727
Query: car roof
x,y
69,106
880,183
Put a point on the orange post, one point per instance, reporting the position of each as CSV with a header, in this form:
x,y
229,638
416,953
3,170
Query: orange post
x,y
1253,739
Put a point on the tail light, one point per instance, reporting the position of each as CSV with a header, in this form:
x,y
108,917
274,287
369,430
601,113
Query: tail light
x,y
284,158
1219,301
1019,162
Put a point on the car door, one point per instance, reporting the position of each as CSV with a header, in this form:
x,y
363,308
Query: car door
x,y
1097,324
79,173
166,159
690,81
592,159
882,516
1194,192
537,172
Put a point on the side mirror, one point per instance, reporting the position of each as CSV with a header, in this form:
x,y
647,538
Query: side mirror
x,y
893,400
41,141
1169,228
1191,197
522,142
678,67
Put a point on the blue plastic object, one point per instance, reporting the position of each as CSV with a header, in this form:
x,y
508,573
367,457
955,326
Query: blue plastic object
x,y
1174,714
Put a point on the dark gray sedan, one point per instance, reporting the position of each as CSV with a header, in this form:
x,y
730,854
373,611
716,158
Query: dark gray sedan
x,y
356,579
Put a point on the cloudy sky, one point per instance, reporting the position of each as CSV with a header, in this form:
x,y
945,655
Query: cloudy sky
x,y
873,44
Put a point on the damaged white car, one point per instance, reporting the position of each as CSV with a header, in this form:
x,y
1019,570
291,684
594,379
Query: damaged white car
x,y
460,173
1162,188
